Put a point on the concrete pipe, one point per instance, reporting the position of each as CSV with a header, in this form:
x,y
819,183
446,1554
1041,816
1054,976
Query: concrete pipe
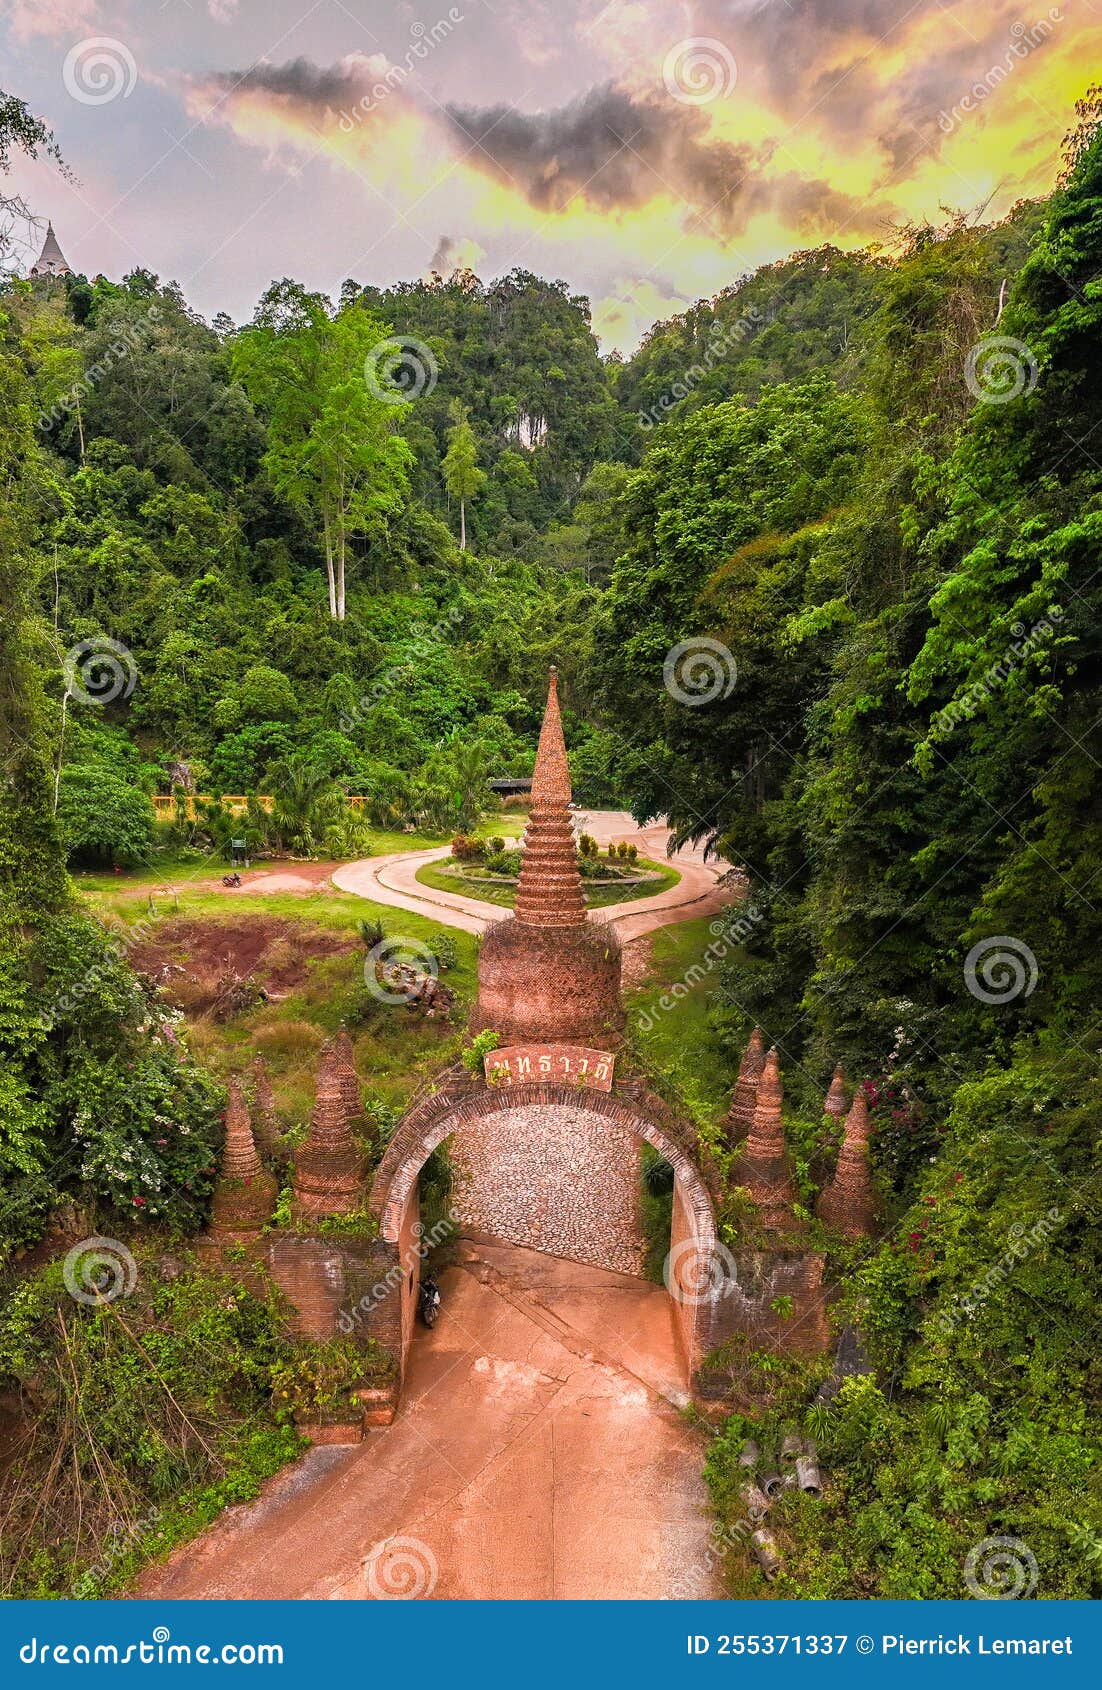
x,y
791,1449
808,1477
749,1455
755,1501
772,1484
765,1549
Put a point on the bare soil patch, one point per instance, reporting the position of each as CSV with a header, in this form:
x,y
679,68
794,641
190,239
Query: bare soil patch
x,y
196,962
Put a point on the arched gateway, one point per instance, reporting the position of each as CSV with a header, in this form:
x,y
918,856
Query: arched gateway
x,y
546,1144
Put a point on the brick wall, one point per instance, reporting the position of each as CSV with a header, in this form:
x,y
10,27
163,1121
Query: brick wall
x,y
552,1177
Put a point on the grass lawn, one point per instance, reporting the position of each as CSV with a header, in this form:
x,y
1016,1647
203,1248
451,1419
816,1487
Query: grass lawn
x,y
305,951
597,894
670,1025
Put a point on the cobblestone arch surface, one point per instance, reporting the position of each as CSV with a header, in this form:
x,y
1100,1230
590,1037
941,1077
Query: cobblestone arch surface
x,y
552,1177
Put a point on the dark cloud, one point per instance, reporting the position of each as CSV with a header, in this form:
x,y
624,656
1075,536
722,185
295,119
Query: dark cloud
x,y
300,82
610,149
614,150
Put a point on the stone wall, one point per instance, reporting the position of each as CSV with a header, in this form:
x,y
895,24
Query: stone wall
x,y
552,1177
752,1281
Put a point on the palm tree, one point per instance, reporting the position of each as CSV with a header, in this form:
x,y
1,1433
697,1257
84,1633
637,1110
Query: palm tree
x,y
306,801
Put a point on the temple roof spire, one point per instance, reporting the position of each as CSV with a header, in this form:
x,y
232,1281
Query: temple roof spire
x,y
51,260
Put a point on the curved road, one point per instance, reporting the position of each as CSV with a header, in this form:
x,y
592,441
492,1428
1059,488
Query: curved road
x,y
392,879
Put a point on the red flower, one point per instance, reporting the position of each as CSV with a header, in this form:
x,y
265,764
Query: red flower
x,y
140,1202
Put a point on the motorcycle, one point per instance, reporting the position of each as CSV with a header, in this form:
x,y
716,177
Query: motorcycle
x,y
231,880
430,1301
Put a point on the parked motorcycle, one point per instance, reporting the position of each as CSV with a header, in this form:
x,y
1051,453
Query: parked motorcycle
x,y
430,1301
231,880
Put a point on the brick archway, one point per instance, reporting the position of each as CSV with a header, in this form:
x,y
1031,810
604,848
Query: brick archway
x,y
466,1103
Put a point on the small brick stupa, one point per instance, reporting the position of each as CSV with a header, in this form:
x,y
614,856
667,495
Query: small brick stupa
x,y
847,1203
763,1167
740,1116
834,1102
245,1193
548,974
329,1169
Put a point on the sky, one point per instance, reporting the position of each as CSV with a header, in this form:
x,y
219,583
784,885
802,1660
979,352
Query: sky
x,y
649,154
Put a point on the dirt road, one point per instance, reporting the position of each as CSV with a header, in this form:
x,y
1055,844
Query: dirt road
x,y
539,1454
392,880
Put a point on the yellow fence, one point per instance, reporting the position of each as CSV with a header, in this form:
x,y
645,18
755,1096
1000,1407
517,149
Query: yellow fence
x,y
165,803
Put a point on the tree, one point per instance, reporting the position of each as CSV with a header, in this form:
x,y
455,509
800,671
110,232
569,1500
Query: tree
x,y
462,476
333,450
306,801
103,818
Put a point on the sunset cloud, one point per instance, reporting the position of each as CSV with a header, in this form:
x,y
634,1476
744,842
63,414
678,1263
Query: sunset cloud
x,y
552,135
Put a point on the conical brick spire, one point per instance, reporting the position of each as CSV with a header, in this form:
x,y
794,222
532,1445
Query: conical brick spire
x,y
763,1165
244,1195
329,1173
345,1059
835,1101
549,891
239,1157
740,1117
847,1202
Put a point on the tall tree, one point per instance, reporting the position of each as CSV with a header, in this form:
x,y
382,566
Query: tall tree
x,y
333,450
462,476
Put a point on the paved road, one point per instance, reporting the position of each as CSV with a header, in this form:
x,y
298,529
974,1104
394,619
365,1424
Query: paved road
x,y
539,1454
392,879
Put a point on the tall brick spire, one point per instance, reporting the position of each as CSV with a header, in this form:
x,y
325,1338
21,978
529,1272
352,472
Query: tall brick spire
x,y
835,1101
847,1202
345,1059
763,1166
244,1193
549,892
329,1171
740,1117
239,1157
